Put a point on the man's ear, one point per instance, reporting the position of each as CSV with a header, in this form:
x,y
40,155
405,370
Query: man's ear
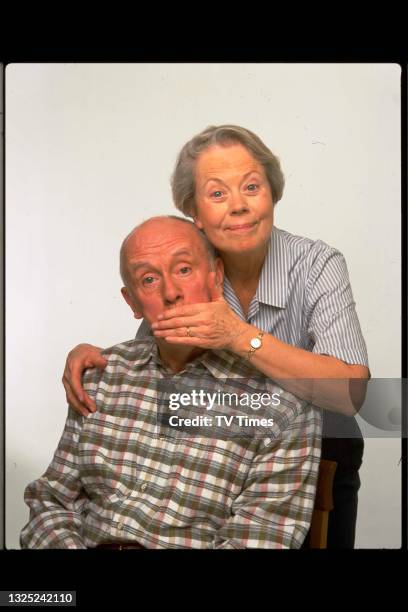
x,y
135,308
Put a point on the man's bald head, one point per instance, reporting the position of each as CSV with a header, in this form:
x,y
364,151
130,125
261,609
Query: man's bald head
x,y
162,224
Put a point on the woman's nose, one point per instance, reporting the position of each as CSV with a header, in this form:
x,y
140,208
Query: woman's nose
x,y
238,203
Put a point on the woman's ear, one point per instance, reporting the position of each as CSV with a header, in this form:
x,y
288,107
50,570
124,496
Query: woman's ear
x,y
219,272
198,223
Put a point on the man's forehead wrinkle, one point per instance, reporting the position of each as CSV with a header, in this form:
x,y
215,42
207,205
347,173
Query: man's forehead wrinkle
x,y
163,241
164,231
163,252
164,248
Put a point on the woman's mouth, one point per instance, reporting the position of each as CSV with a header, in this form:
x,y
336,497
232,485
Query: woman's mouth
x,y
242,228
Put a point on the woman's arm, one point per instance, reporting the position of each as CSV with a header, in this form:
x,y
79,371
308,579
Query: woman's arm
x,y
87,356
336,383
320,379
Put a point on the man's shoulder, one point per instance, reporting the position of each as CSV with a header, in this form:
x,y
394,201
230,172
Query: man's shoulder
x,y
121,357
130,351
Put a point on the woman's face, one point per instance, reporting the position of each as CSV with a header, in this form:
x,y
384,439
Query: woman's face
x,y
234,200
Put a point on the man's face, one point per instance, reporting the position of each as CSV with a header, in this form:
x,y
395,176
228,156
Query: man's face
x,y
167,266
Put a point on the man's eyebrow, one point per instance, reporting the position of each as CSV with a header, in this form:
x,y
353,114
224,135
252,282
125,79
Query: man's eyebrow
x,y
147,264
182,253
140,264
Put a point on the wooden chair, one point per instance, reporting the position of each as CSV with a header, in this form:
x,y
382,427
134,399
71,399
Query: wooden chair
x,y
323,505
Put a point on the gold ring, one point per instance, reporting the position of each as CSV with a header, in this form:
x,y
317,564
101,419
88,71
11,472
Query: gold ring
x,y
189,334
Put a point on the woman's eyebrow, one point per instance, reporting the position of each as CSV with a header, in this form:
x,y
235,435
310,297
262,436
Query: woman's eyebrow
x,y
214,178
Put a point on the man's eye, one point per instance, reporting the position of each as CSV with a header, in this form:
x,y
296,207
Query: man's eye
x,y
252,187
148,280
185,270
216,194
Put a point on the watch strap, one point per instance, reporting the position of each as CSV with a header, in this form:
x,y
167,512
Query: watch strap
x,y
253,349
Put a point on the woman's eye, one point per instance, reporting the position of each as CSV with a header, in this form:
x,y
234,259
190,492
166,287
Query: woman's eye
x,y
252,187
216,194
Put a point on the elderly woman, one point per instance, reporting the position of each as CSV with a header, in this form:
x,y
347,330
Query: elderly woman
x,y
286,303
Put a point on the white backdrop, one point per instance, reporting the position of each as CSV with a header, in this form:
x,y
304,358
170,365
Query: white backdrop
x,y
89,152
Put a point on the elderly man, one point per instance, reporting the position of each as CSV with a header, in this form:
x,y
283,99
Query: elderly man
x,y
117,481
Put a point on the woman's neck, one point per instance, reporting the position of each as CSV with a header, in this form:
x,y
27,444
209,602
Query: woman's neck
x,y
243,269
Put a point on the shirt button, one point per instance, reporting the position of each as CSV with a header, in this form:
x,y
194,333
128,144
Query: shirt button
x,y
120,526
144,487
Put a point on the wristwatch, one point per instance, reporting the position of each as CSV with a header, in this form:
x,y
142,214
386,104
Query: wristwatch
x,y
255,343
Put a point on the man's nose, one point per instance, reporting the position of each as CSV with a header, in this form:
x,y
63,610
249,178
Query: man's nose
x,y
172,292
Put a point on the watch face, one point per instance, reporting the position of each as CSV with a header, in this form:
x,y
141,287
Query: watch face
x,y
256,343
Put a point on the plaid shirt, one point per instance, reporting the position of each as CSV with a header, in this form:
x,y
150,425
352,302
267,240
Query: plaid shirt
x,y
113,478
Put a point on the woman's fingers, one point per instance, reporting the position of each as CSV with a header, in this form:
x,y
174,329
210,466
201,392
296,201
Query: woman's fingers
x,y
188,341
182,311
73,400
194,336
188,330
214,327
80,358
78,390
178,323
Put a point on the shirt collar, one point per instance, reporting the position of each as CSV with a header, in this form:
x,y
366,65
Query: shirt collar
x,y
273,282
146,350
221,364
218,363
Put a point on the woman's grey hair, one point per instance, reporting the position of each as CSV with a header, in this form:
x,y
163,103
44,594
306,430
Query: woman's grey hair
x,y
183,178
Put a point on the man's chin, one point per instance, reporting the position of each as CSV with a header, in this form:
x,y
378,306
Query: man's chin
x,y
174,346
162,342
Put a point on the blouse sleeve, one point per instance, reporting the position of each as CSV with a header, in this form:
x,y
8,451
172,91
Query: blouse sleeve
x,y
333,326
